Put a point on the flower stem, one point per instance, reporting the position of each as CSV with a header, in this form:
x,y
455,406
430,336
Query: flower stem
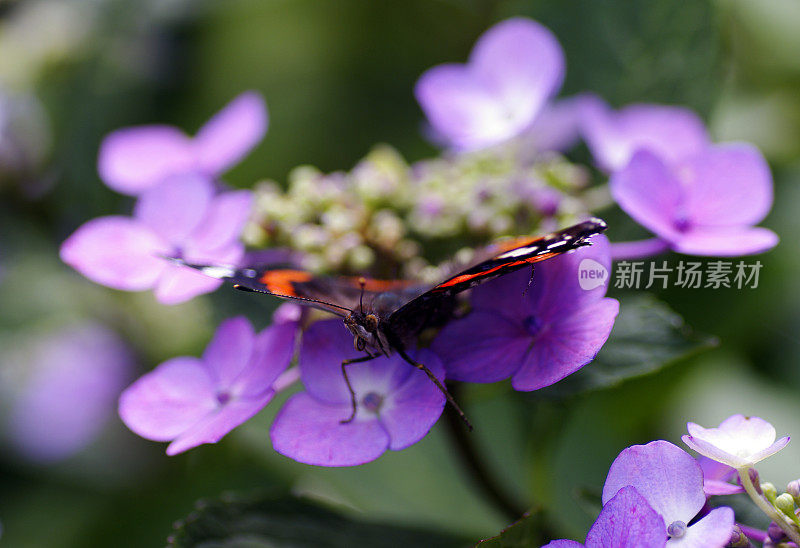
x,y
773,514
476,466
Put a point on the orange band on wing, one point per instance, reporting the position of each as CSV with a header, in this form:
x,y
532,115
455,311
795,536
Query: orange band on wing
x,y
467,277
280,281
380,285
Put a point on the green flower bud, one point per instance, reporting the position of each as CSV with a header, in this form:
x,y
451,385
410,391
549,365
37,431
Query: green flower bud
x,y
769,491
785,503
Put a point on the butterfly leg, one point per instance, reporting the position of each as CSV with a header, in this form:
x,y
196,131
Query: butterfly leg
x,y
438,384
530,282
345,363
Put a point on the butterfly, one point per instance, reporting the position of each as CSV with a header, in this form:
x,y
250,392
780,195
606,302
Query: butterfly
x,y
386,316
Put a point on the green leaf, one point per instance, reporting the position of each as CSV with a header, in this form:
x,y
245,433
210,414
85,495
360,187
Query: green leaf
x,y
647,336
260,521
523,533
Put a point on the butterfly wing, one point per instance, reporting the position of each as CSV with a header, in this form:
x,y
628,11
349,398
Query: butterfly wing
x,y
337,295
495,261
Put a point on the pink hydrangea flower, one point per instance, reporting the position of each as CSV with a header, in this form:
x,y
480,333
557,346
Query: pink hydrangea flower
x,y
134,159
397,404
190,401
670,132
514,69
181,217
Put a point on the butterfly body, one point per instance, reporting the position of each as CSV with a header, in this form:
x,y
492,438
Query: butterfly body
x,y
386,316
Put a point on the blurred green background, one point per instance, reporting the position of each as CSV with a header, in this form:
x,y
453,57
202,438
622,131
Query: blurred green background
x,y
338,78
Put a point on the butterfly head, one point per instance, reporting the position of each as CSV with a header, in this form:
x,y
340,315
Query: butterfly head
x,y
365,327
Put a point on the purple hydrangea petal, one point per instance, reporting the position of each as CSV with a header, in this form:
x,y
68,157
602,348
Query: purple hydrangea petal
x,y
771,450
504,296
647,191
324,345
523,63
287,313
665,475
381,375
562,285
627,521
229,352
178,284
165,402
224,220
567,345
727,185
717,487
558,125
713,531
214,426
716,476
231,133
725,241
230,254
638,249
116,251
77,375
563,543
713,452
412,409
669,132
737,433
738,441
513,69
310,431
174,208
272,354
483,347
461,108
133,159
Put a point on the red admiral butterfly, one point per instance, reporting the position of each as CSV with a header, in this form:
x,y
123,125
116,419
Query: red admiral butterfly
x,y
385,316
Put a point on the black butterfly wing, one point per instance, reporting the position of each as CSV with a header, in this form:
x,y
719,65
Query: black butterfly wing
x,y
337,295
437,303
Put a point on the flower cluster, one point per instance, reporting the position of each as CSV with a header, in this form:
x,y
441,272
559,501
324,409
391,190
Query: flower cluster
x,y
191,401
179,212
658,495
501,175
393,218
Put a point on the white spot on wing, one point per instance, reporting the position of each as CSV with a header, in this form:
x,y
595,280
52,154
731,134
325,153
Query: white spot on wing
x,y
518,252
218,271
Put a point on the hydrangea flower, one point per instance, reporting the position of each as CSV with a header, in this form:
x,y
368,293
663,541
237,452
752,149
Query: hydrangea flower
x,y
626,521
738,441
191,401
76,376
134,159
397,404
538,336
717,476
705,204
671,482
181,217
671,133
513,70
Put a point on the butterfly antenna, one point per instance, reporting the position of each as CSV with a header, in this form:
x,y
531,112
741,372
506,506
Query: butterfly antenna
x,y
363,283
